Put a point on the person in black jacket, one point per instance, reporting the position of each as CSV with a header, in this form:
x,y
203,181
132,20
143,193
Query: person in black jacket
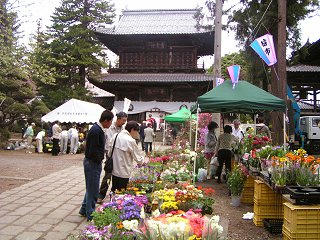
x,y
141,132
92,163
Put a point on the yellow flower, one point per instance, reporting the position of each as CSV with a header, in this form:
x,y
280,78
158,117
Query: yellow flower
x,y
194,237
283,159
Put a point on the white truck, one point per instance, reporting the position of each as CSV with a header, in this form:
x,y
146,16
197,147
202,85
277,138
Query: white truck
x,y
310,131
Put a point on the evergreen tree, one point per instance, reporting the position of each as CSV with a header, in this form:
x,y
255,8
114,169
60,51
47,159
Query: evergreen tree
x,y
40,60
14,87
74,47
245,22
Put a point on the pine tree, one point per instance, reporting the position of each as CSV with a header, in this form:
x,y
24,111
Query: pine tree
x,y
74,41
75,50
14,87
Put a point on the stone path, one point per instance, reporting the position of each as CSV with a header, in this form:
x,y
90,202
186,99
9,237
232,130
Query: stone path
x,y
44,209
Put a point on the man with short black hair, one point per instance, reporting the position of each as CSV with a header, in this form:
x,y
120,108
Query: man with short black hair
x,y
114,129
94,154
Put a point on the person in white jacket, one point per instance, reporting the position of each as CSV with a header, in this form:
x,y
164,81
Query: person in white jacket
x,y
64,137
56,130
39,140
125,153
74,139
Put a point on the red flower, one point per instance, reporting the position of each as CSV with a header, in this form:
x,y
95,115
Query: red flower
x,y
255,142
208,191
265,138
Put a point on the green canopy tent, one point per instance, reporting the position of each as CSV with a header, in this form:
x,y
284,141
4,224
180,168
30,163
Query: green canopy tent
x,y
182,115
244,98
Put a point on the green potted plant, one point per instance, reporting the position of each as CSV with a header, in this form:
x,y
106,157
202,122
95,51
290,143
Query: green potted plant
x,y
235,182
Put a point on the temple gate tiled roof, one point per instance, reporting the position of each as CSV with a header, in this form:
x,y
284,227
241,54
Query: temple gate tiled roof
x,y
179,21
157,77
303,68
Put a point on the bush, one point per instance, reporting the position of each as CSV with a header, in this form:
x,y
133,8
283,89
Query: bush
x,y
4,137
236,181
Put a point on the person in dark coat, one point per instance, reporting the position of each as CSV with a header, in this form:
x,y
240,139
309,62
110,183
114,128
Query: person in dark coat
x,y
141,132
94,154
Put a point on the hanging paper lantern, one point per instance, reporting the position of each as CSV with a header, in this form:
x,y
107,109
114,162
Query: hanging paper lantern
x,y
234,73
265,48
219,81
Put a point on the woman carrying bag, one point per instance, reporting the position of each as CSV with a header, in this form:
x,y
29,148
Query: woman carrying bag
x,y
125,153
224,150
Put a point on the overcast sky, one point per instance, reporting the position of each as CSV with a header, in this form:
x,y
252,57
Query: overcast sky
x,y
31,10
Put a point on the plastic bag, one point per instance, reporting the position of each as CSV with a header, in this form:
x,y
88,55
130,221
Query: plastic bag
x,y
214,161
202,174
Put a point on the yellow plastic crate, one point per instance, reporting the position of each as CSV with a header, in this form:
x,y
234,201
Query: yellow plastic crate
x,y
258,221
247,195
302,220
249,182
271,211
300,236
265,195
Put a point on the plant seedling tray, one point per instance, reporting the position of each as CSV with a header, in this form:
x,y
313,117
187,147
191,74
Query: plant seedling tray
x,y
304,195
273,226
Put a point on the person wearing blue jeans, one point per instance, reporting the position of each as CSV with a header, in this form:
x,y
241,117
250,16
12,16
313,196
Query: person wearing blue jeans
x,y
92,163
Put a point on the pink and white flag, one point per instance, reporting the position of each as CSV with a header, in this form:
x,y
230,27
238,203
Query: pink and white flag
x,y
264,47
234,73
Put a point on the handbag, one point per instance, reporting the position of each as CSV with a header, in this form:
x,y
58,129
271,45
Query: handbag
x,y
108,167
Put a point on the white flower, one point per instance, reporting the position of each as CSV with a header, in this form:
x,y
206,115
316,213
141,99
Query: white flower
x,y
215,219
220,229
130,225
142,214
156,213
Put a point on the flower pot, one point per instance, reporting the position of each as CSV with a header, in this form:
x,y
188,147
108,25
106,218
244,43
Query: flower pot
x,y
235,201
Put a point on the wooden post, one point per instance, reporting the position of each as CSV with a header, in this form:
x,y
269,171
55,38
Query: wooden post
x,y
217,53
279,79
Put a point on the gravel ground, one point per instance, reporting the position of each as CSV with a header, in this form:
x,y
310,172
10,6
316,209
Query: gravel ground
x,y
17,168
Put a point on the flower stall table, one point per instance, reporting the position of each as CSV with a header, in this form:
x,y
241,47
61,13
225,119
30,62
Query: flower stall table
x,y
301,222
248,191
267,203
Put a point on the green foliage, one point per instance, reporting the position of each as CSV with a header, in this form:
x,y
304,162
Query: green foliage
x,y
279,178
231,59
55,96
201,161
38,109
4,136
74,44
108,216
304,177
236,181
61,59
14,87
40,60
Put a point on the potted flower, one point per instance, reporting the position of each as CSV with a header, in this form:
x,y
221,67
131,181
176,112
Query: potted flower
x,y
235,182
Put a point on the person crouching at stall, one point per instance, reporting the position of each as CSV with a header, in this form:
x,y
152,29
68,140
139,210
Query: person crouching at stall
x,y
126,152
224,150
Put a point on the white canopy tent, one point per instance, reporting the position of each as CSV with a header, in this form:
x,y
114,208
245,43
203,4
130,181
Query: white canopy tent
x,y
75,111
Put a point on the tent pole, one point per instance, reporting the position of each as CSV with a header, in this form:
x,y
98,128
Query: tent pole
x,y
284,130
195,146
164,133
255,123
190,131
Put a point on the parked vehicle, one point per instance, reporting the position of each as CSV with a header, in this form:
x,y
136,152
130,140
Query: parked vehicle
x,y
310,133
